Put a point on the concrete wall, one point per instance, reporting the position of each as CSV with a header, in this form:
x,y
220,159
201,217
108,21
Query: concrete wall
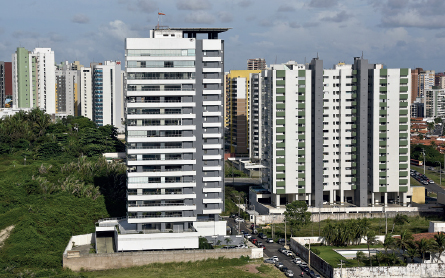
x,y
315,217
79,240
409,271
436,226
441,198
128,259
318,263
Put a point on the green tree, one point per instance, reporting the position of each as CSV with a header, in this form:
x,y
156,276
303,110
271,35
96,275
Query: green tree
x,y
399,220
380,257
388,242
411,252
404,241
438,120
370,240
424,246
360,257
440,243
296,215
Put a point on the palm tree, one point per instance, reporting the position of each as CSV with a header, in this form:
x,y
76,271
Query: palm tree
x,y
424,246
329,232
411,252
392,259
404,241
370,240
389,242
380,257
440,243
360,256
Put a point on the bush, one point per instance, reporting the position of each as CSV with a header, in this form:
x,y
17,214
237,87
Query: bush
x,y
315,251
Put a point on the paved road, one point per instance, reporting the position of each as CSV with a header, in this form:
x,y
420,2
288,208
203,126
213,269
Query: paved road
x,y
271,249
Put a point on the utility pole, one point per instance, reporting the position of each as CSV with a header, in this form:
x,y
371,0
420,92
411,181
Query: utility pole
x,y
285,243
440,171
309,253
423,151
319,227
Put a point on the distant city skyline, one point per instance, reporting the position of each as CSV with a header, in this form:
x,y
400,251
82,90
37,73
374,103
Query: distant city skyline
x,y
397,33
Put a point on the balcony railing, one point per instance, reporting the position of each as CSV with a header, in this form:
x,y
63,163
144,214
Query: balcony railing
x,y
159,205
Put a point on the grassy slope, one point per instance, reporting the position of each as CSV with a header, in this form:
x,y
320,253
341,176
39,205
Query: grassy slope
x,y
43,222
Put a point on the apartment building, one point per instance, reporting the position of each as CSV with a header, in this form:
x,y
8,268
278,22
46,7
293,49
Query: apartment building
x,y
256,64
174,133
107,95
336,135
5,83
239,94
68,89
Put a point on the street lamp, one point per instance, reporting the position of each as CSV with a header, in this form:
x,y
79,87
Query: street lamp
x,y
440,171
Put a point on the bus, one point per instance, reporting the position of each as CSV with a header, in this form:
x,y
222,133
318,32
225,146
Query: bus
x,y
416,162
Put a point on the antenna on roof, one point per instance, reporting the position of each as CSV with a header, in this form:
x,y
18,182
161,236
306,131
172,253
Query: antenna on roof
x,y
362,54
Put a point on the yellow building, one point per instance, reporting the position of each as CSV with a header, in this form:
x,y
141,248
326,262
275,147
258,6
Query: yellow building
x,y
418,194
238,93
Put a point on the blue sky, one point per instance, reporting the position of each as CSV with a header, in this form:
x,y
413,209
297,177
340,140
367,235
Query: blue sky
x,y
398,33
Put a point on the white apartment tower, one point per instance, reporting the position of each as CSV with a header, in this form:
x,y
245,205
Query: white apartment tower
x,y
107,96
46,79
174,129
336,135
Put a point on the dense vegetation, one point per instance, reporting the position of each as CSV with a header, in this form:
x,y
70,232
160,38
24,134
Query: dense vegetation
x,y
432,155
54,183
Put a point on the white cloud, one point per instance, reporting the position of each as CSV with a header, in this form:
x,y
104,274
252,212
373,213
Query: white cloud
x,y
118,30
225,16
200,17
193,5
80,18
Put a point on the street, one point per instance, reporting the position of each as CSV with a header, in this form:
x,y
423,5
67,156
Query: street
x,y
271,249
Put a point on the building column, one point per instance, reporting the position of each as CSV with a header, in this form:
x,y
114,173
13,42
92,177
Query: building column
x,y
372,199
309,199
277,200
342,197
404,198
386,199
334,195
331,196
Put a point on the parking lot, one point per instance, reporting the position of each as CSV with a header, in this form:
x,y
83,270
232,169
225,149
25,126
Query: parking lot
x,y
271,249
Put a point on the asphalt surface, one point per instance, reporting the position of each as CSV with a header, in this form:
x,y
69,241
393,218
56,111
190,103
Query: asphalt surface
x,y
271,249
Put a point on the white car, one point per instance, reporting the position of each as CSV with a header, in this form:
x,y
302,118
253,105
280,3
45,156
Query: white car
x,y
239,220
297,260
247,236
275,258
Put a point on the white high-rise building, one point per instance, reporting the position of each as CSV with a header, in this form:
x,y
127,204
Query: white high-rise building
x,y
336,135
174,127
107,95
86,93
46,79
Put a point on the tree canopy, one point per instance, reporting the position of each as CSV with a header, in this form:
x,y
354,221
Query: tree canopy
x,y
297,215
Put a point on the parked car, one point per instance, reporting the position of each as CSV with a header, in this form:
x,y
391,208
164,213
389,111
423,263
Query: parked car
x,y
275,258
281,240
239,219
246,235
263,236
311,273
289,273
269,261
296,260
317,276
281,249
269,240
289,253
284,269
303,265
279,264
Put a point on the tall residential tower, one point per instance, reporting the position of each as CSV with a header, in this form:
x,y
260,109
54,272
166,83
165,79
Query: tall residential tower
x,y
174,127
